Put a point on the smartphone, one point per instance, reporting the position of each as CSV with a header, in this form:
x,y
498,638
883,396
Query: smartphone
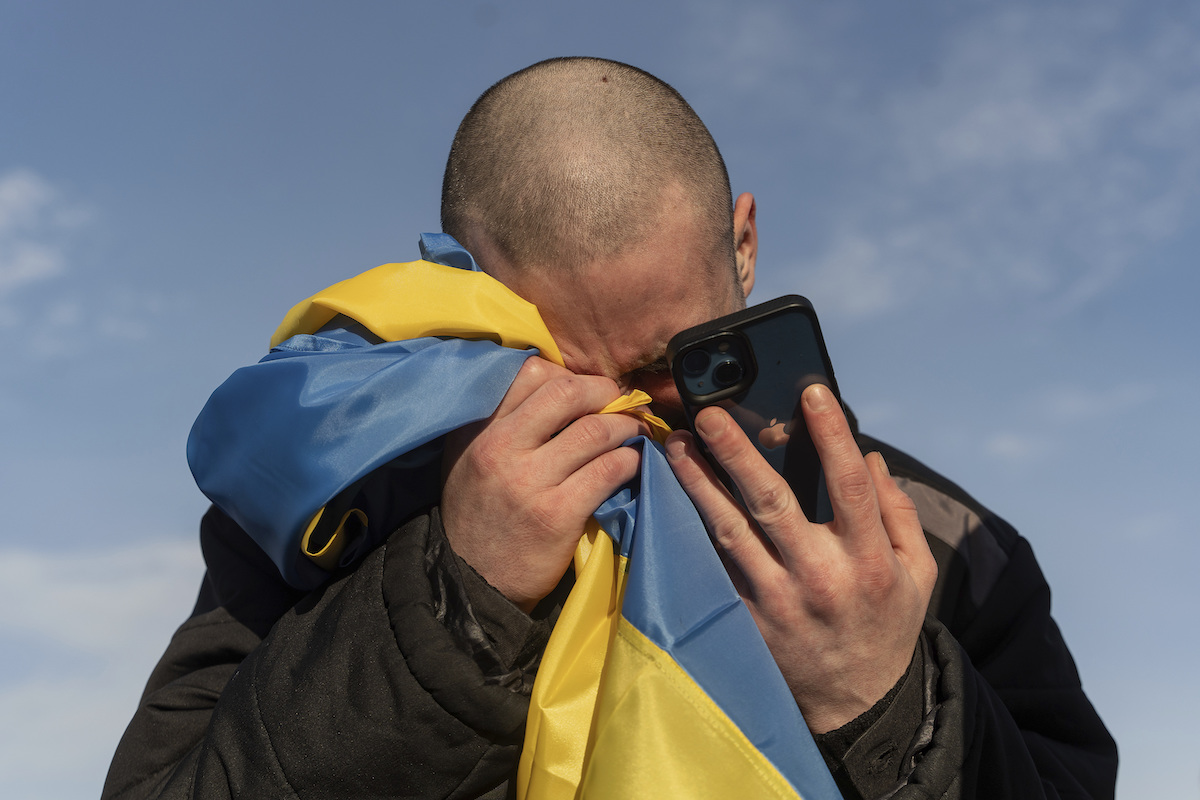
x,y
755,364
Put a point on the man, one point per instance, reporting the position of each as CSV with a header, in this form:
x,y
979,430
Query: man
x,y
593,191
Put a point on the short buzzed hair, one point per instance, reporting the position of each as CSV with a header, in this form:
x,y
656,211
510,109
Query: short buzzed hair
x,y
566,162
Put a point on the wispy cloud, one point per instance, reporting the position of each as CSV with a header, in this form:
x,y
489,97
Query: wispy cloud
x,y
1056,146
84,632
1053,414
33,218
67,325
38,224
750,45
1036,155
123,591
1016,447
1067,404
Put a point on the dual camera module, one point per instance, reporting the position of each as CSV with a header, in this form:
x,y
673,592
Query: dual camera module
x,y
721,365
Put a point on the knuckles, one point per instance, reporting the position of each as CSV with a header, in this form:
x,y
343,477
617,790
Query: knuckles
x,y
854,489
490,454
773,503
593,432
903,502
567,391
924,571
827,590
617,466
577,394
878,575
732,533
537,370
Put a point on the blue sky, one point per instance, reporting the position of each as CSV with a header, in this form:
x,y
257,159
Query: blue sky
x,y
993,207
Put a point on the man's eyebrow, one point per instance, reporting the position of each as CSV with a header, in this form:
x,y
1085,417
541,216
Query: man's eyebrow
x,y
657,365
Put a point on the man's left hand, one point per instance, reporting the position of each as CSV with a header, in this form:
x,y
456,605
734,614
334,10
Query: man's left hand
x,y
840,605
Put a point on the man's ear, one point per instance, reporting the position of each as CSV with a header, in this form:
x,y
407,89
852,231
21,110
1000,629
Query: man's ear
x,y
745,240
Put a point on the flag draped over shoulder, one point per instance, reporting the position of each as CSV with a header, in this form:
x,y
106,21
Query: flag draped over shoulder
x,y
655,682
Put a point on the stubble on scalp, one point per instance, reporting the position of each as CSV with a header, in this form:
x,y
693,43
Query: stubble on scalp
x,y
565,163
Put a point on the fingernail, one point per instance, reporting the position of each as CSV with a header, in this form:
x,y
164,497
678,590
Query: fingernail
x,y
676,447
818,397
710,424
883,463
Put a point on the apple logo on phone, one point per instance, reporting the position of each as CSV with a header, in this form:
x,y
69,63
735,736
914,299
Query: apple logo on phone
x,y
776,434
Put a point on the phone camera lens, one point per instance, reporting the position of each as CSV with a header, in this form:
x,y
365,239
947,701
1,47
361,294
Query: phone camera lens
x,y
695,362
728,372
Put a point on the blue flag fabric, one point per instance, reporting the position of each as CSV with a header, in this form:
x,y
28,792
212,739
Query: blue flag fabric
x,y
282,438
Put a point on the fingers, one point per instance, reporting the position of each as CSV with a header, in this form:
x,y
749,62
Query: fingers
x,y
896,508
903,527
839,604
773,511
520,485
766,494
599,478
724,518
851,488
533,374
547,398
548,415
736,534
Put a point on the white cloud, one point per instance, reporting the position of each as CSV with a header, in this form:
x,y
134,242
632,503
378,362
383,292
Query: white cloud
x,y
1076,404
32,216
1055,150
853,278
37,225
749,45
27,262
88,628
1037,144
1041,428
66,326
123,591
24,195
1022,85
1016,447
1040,154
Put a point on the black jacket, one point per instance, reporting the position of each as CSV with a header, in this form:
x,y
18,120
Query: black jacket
x,y
408,676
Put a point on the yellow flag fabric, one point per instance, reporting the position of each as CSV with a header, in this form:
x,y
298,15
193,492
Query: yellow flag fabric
x,y
657,734
452,302
563,703
420,298
655,682
614,717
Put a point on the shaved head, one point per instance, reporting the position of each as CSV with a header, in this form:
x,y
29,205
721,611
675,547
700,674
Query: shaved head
x,y
569,161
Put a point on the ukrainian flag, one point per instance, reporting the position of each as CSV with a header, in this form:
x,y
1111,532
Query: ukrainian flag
x,y
655,682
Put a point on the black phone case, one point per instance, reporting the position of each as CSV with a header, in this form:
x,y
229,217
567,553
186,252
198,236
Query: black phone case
x,y
779,350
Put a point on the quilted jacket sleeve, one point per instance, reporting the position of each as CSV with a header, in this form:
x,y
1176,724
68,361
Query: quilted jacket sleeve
x,y
343,696
1004,713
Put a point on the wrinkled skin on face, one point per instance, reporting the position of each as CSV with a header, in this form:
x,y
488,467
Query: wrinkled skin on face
x,y
540,466
840,605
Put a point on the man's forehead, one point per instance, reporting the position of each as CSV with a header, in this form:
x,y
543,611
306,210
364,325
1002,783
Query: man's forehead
x,y
615,321
617,313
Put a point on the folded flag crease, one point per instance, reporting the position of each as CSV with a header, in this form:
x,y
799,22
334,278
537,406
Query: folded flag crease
x,y
655,682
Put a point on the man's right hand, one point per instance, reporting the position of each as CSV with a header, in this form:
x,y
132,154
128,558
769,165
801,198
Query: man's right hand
x,y
521,484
